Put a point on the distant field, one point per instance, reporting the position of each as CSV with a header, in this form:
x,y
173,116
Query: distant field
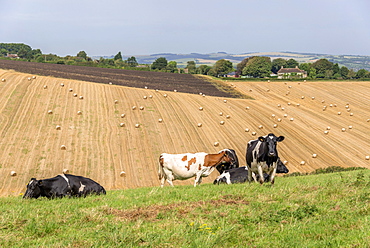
x,y
99,148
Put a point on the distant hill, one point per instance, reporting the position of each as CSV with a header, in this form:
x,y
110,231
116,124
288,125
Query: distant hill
x,y
355,62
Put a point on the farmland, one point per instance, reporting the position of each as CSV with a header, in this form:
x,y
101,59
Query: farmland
x,y
100,143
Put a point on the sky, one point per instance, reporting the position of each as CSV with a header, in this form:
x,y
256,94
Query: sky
x,y
143,27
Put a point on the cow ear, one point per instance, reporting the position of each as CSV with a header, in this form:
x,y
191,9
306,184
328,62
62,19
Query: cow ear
x,y
261,138
280,138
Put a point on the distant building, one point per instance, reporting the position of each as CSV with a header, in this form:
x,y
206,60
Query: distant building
x,y
291,73
12,55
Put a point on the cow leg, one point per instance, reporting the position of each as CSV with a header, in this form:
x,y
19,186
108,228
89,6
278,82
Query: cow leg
x,y
250,175
272,176
163,179
198,179
260,173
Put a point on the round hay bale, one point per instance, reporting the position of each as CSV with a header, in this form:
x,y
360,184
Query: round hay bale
x,y
33,77
122,124
115,101
279,120
298,104
70,90
29,79
367,157
141,108
74,95
204,95
351,114
3,80
145,97
322,101
50,112
343,129
137,125
58,127
279,105
13,173
63,147
165,95
289,103
313,98
368,120
220,113
174,90
291,119
227,116
123,115
225,101
150,96
302,97
110,83
275,125
285,162
350,127
79,113
247,108
268,90
122,174
339,113
62,85
45,86
216,144
133,107
65,171
222,122
160,120
326,132
285,115
146,87
314,155
260,126
254,133
328,128
302,163
199,124
246,130
200,108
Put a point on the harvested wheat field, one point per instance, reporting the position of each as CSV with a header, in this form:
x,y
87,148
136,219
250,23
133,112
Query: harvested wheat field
x,y
100,130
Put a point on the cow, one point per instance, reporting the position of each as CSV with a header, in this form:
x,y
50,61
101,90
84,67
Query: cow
x,y
262,157
187,165
61,186
240,175
230,165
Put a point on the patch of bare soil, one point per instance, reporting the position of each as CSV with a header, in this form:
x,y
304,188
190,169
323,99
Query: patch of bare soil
x,y
152,212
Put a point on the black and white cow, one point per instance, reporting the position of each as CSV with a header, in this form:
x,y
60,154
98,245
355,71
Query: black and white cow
x,y
234,162
262,157
240,175
62,185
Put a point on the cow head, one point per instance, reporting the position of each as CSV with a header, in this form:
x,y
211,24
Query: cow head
x,y
281,168
234,162
271,141
33,189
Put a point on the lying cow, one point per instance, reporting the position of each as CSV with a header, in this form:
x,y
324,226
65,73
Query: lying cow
x,y
63,185
187,165
240,175
262,157
234,163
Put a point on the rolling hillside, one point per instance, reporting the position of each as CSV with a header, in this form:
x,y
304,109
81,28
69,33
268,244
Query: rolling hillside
x,y
99,148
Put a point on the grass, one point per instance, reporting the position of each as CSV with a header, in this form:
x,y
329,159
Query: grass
x,y
325,210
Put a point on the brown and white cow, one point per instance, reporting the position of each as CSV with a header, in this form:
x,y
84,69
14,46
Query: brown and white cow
x,y
187,165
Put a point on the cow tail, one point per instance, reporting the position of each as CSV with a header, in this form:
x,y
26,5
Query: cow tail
x,y
160,168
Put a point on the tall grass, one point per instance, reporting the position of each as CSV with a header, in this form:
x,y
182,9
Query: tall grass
x,y
326,210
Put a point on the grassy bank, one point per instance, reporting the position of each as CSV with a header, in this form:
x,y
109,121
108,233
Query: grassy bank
x,y
326,210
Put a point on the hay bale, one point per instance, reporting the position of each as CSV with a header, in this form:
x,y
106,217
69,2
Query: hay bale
x,y
79,113
3,80
216,144
222,122
122,174
58,127
141,108
314,155
65,171
75,95
160,120
63,147
246,130
123,115
137,125
62,85
50,112
81,97
199,124
122,124
45,86
13,173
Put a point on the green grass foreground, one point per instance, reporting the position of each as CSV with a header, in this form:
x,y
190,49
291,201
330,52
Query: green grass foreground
x,y
326,210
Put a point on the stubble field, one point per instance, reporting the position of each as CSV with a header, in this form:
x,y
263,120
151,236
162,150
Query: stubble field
x,y
97,146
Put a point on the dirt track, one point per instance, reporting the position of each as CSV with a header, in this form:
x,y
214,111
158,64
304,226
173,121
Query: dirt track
x,y
99,148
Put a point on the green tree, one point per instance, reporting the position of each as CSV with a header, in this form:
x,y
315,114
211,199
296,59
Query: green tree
x,y
305,66
159,64
258,67
276,64
322,65
82,54
362,73
223,67
291,63
344,72
191,66
203,69
118,56
241,65
336,68
312,73
172,66
131,62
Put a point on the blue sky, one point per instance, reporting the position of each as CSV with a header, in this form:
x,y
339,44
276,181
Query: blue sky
x,y
144,27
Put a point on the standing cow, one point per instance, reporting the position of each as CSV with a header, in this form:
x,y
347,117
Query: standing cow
x,y
62,185
234,162
240,175
187,165
262,157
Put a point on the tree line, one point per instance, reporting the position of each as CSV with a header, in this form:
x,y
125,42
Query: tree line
x,y
251,67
